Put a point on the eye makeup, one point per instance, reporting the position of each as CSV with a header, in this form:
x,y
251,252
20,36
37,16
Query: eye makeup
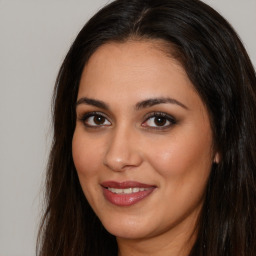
x,y
154,120
94,120
158,121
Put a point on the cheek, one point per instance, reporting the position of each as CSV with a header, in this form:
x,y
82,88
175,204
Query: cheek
x,y
182,155
86,154
86,157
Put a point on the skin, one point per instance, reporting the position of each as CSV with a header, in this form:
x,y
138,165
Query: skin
x,y
127,144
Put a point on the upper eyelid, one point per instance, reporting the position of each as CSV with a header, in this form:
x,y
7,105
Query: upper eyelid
x,y
150,114
83,117
162,114
92,113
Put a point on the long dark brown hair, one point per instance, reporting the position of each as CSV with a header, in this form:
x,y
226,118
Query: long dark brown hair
x,y
220,69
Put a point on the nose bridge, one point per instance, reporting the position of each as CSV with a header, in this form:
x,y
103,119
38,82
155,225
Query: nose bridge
x,y
122,151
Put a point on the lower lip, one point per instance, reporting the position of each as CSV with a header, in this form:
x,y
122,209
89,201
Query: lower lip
x,y
126,199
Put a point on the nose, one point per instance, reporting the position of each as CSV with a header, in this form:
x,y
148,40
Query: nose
x,y
122,151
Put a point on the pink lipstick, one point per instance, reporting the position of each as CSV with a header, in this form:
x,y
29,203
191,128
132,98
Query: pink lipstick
x,y
126,193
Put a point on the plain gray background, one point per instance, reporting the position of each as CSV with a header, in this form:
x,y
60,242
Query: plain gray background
x,y
34,38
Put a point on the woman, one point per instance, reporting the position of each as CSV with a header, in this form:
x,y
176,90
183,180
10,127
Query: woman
x,y
154,136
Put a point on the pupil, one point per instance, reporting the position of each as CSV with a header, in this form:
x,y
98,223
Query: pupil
x,y
160,121
99,120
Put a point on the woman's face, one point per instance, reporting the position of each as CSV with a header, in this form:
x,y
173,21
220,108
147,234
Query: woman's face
x,y
142,145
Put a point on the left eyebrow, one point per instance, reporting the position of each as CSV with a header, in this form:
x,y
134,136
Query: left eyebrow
x,y
155,101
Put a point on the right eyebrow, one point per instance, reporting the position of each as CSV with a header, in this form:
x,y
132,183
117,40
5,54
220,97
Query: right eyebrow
x,y
92,102
154,101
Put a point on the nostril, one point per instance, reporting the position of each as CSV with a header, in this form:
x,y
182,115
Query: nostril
x,y
126,162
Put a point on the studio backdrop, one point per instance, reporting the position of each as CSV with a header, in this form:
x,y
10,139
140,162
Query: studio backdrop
x,y
34,38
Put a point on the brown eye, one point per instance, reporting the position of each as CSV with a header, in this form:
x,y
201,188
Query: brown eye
x,y
99,120
160,121
157,121
95,120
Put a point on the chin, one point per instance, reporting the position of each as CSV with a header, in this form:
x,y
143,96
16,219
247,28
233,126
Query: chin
x,y
128,229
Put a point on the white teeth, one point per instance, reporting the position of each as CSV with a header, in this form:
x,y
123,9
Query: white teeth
x,y
127,190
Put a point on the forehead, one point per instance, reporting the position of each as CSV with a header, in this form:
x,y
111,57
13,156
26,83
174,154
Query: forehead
x,y
146,59
135,70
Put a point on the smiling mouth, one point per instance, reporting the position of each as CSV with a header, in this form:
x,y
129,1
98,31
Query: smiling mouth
x,y
127,190
126,193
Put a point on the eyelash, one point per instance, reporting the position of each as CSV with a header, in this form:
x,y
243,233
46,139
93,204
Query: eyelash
x,y
166,117
86,116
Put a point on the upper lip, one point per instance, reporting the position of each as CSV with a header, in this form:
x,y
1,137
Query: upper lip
x,y
125,184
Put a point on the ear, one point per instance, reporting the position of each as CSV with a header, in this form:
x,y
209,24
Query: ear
x,y
216,158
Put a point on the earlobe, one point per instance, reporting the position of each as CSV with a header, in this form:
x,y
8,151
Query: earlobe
x,y
216,158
